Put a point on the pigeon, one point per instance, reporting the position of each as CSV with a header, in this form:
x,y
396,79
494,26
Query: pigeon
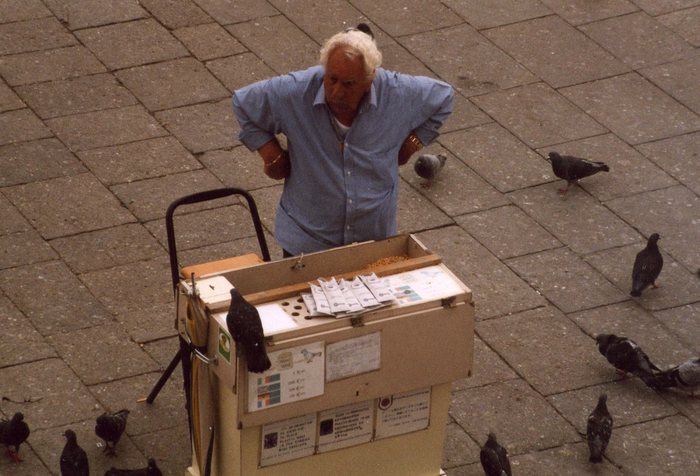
x,y
109,427
244,324
13,433
494,458
685,376
428,166
647,266
572,169
364,28
74,461
150,470
599,429
626,356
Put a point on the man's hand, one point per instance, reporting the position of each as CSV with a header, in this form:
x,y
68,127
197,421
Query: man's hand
x,y
276,164
409,147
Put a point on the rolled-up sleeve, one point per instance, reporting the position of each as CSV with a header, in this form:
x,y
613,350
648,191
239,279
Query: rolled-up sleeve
x,y
434,99
252,106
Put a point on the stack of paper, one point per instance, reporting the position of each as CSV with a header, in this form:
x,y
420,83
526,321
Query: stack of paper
x,y
348,298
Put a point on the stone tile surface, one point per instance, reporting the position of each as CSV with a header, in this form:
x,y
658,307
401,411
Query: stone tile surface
x,y
9,100
22,342
633,108
654,7
555,51
538,115
684,23
484,15
18,10
678,79
239,70
67,205
209,41
171,84
409,221
11,220
36,160
491,368
78,14
459,447
51,65
236,11
399,18
677,156
176,13
573,457
170,447
682,322
464,115
578,12
32,35
22,248
21,125
237,167
565,280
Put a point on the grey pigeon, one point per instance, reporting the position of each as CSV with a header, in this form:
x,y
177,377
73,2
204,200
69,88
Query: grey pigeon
x,y
599,429
150,470
428,166
109,427
74,460
685,376
626,356
494,458
244,324
647,266
14,432
572,169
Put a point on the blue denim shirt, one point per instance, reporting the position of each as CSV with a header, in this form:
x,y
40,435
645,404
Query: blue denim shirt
x,y
339,191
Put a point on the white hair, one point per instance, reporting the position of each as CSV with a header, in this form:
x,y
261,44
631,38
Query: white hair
x,y
355,43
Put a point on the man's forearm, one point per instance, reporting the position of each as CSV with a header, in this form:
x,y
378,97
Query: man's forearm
x,y
276,162
409,147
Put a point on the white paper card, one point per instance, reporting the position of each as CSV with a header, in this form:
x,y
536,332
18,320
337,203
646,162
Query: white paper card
x,y
353,356
402,413
288,439
424,284
274,318
345,426
211,290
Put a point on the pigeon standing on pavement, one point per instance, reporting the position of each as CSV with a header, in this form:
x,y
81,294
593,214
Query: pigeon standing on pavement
x,y
109,427
494,458
599,429
647,266
243,322
685,376
14,432
150,470
74,461
626,356
428,166
572,169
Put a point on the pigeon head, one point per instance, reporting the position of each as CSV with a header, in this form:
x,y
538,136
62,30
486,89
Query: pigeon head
x,y
654,238
17,417
602,398
553,156
70,435
604,341
491,439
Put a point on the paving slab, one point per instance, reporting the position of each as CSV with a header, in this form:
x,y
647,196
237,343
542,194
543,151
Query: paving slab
x,y
496,289
209,41
677,285
50,65
482,15
21,125
266,199
163,351
630,172
170,448
104,128
633,108
119,357
409,220
140,42
629,402
9,100
657,7
538,115
678,79
31,464
689,406
77,14
684,23
507,232
56,395
149,199
34,161
465,59
205,254
106,248
202,127
239,70
396,57
629,320
555,51
489,367
236,11
682,321
139,160
11,220
68,205
498,156
176,13
262,37
549,365
572,457
32,35
678,157
575,218
22,342
464,115
151,321
18,10
670,446
534,425
578,12
74,96
459,448
473,469
456,189
667,213
237,167
171,84
22,248
400,17
566,280
52,297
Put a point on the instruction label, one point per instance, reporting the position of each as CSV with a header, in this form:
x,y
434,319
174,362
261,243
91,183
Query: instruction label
x,y
345,426
353,356
288,439
296,374
403,413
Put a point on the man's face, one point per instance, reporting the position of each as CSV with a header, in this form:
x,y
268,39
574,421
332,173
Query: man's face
x,y
345,82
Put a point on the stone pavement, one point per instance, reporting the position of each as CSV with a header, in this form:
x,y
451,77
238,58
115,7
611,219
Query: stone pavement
x,y
109,110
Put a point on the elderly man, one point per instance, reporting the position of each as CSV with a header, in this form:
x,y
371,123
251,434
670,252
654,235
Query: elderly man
x,y
349,125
